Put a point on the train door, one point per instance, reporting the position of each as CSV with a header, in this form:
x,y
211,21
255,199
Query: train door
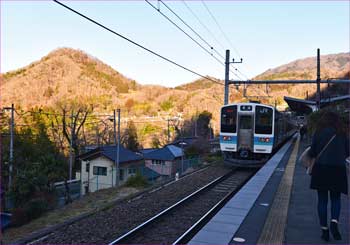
x,y
245,134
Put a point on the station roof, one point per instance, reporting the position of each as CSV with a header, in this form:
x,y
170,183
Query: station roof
x,y
308,106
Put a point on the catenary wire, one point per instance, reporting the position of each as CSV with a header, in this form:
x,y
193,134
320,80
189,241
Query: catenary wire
x,y
202,24
198,35
188,35
221,30
135,43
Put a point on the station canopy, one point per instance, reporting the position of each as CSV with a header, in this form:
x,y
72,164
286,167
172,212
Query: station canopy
x,y
301,106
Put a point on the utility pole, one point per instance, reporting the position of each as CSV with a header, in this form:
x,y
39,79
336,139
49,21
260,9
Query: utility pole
x,y
182,152
195,127
117,179
318,93
168,131
115,143
227,76
71,149
12,125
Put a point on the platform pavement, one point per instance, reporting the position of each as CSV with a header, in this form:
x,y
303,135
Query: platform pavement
x,y
302,224
284,212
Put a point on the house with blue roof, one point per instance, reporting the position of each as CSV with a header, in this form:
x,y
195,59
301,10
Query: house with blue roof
x,y
164,161
98,167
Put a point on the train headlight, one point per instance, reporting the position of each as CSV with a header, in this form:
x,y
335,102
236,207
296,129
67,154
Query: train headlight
x,y
227,138
266,140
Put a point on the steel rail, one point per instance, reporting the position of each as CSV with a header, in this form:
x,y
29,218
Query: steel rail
x,y
183,239
129,233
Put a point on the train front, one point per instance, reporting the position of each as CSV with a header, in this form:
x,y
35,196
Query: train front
x,y
246,134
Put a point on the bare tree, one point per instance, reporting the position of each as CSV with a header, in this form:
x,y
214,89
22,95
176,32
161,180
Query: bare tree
x,y
73,120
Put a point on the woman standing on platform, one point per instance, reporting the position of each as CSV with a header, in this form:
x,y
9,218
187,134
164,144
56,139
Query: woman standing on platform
x,y
330,147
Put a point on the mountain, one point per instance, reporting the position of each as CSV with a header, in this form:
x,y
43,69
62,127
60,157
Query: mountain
x,y
71,75
332,66
63,74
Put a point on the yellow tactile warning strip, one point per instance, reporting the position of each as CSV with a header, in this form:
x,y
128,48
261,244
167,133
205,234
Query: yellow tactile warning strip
x,y
273,231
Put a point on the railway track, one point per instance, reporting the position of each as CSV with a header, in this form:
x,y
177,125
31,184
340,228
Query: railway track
x,y
103,226
177,223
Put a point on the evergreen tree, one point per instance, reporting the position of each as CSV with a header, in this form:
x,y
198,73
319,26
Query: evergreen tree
x,y
129,138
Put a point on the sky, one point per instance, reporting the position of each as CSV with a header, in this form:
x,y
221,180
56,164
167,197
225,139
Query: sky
x,y
265,34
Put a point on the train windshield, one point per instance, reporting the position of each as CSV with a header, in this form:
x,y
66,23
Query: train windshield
x,y
229,119
263,120
245,122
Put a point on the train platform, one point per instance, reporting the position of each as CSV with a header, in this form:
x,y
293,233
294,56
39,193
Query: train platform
x,y
276,206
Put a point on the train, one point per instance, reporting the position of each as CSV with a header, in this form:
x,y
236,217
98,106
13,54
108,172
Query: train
x,y
251,132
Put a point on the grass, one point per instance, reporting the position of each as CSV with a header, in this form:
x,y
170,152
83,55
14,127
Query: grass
x,y
89,203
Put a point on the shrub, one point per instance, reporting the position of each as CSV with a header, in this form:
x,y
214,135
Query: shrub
x,y
137,181
167,105
35,208
19,217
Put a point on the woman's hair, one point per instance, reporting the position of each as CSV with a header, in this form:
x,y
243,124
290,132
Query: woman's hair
x,y
330,119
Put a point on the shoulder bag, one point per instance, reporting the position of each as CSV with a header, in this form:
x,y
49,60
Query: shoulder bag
x,y
307,161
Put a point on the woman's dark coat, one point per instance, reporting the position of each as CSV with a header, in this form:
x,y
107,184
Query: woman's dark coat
x,y
329,171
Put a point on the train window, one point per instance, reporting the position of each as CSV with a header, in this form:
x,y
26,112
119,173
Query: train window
x,y
228,119
245,122
263,120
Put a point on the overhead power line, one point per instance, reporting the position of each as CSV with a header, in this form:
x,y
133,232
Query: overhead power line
x,y
184,32
208,30
236,69
198,35
203,25
210,46
221,30
135,43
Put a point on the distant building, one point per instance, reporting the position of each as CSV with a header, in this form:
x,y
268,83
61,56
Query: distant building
x,y
164,161
98,167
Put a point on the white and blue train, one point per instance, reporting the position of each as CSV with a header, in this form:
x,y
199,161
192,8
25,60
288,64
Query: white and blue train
x,y
251,132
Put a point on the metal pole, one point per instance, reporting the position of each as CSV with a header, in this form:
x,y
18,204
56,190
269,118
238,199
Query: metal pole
x,y
115,143
71,149
318,94
117,170
227,76
195,127
11,145
182,153
168,131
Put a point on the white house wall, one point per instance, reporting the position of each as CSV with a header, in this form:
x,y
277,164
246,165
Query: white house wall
x,y
100,181
97,182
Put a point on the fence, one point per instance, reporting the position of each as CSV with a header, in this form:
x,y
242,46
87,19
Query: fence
x,y
187,165
73,186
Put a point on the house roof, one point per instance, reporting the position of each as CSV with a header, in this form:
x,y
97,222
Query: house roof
x,y
169,152
148,150
110,152
149,173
